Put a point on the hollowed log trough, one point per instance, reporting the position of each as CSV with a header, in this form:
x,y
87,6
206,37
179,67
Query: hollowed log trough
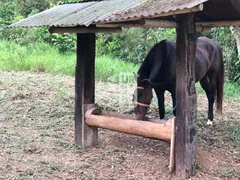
x,y
156,129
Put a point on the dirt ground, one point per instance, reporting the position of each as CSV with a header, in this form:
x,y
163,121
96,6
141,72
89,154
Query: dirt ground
x,y
37,135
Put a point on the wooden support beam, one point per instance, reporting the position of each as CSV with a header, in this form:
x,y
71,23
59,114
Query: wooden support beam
x,y
84,89
186,127
84,30
122,124
128,24
143,23
156,23
218,23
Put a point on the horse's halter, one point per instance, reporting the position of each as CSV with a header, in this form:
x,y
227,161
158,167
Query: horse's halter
x,y
138,103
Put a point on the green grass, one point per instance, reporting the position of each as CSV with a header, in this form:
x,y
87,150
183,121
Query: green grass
x,y
231,90
234,133
36,57
114,70
227,172
45,58
42,57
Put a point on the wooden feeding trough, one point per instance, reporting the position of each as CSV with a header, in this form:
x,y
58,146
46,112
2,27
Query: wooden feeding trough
x,y
157,129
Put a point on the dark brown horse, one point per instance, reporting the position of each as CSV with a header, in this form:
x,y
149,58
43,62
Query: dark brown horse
x,y
158,72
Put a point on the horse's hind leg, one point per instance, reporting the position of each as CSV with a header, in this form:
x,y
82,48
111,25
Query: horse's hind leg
x,y
208,83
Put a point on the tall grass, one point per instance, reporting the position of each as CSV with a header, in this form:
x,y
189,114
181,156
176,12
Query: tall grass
x,y
230,90
34,57
45,58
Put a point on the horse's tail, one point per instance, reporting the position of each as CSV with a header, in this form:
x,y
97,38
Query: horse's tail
x,y
220,85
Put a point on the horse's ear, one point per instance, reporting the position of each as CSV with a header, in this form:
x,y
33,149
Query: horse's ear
x,y
135,76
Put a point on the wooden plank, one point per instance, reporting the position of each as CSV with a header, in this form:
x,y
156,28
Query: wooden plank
x,y
218,23
143,23
84,89
185,150
129,126
156,23
84,30
172,148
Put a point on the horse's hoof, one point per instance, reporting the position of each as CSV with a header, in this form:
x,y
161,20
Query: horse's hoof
x,y
209,123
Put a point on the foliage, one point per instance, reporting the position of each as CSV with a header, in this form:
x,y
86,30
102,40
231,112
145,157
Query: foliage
x,y
17,10
28,7
6,13
64,42
132,45
225,39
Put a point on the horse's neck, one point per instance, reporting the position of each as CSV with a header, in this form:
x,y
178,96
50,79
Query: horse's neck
x,y
144,75
144,70
154,63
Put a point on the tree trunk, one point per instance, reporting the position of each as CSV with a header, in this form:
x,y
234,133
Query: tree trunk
x,y
236,33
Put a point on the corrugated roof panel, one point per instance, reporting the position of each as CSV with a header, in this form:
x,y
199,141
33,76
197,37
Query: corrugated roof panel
x,y
95,12
74,14
150,8
48,17
113,8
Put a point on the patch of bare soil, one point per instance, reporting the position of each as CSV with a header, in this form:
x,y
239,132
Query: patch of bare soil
x,y
37,135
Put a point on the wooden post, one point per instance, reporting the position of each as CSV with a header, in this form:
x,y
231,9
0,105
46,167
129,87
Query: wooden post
x,y
85,89
185,151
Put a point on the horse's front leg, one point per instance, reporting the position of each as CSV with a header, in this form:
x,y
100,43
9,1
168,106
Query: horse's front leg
x,y
173,93
161,108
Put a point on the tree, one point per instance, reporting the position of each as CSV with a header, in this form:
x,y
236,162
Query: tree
x,y
236,33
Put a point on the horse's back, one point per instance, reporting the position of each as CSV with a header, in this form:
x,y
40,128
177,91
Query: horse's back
x,y
160,63
204,42
211,52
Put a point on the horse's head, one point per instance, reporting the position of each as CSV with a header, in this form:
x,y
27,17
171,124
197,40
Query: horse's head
x,y
142,98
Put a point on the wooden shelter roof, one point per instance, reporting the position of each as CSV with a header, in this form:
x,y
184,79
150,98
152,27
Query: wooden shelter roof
x,y
130,13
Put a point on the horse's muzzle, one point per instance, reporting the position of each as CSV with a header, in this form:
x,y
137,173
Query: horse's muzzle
x,y
140,117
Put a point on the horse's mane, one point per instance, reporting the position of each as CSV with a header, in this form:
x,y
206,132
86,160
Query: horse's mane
x,y
153,61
